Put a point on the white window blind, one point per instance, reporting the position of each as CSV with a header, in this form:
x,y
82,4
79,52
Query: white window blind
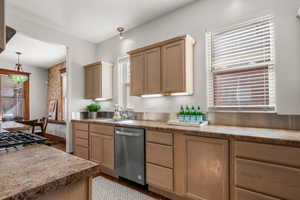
x,y
240,62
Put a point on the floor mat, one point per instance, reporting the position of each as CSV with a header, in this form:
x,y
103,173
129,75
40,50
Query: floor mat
x,y
105,189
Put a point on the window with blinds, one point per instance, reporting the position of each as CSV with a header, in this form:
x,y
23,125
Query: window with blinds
x,y
240,62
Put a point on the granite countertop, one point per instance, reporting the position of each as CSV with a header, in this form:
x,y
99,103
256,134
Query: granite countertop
x,y
273,136
38,169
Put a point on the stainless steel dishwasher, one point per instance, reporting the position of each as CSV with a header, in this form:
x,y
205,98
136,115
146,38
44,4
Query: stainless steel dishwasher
x,y
130,154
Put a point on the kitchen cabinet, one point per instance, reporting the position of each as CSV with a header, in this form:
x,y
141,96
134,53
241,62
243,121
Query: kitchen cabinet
x,y
98,81
152,72
176,71
163,68
137,67
80,140
271,170
94,142
159,160
102,145
201,168
2,26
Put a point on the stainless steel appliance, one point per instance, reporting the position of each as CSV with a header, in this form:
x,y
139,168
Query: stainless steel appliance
x,y
130,154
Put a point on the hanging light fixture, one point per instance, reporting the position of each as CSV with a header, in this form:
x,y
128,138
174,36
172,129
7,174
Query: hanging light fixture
x,y
19,78
121,31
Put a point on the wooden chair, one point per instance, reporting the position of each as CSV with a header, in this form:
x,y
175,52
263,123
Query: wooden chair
x,y
41,123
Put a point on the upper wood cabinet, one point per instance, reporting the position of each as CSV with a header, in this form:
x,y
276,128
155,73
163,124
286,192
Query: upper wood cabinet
x,y
137,74
98,80
201,167
174,69
163,68
2,26
152,72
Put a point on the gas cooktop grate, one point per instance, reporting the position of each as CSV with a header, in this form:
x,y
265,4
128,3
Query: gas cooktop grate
x,y
14,139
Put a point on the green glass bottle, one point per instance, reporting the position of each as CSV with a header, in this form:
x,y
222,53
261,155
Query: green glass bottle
x,y
187,114
193,114
181,114
199,115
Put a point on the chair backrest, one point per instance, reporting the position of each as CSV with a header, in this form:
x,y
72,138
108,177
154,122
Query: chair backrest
x,y
44,120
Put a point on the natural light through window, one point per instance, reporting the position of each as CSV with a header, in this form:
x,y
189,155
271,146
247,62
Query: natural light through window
x,y
240,62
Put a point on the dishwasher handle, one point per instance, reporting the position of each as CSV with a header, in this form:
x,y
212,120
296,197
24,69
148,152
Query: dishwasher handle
x,y
128,134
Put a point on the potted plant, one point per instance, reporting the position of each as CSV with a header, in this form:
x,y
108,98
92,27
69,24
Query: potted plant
x,y
93,108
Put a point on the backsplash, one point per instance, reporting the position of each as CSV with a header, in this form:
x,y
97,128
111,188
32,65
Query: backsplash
x,y
257,120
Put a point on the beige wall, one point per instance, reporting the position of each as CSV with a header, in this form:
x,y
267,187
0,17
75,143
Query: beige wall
x,y
209,15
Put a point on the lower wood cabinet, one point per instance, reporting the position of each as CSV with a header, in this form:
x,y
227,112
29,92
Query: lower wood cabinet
x,y
265,169
94,142
102,150
102,145
159,177
201,168
80,140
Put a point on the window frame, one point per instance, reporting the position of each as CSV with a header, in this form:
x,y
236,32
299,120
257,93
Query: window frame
x,y
26,90
211,71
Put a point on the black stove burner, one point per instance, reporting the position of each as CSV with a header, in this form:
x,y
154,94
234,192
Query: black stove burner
x,y
14,139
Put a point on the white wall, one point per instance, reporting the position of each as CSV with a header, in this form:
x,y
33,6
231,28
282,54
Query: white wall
x,y
211,15
37,88
80,52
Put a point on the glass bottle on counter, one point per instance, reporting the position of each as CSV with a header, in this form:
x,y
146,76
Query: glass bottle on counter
x,y
199,115
187,117
181,114
193,115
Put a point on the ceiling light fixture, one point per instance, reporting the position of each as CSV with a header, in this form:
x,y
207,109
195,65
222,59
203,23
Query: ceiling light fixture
x,y
121,31
19,78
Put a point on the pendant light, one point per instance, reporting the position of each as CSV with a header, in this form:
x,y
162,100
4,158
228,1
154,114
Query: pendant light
x,y
120,30
18,78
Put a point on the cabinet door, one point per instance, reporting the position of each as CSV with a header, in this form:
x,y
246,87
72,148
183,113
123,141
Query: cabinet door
x,y
97,81
204,162
2,26
173,68
108,152
93,81
102,150
137,65
89,86
96,148
152,71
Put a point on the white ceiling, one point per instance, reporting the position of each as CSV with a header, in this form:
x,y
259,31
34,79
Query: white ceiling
x,y
95,20
34,52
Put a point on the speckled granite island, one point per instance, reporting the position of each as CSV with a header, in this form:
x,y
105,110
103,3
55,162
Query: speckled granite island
x,y
44,173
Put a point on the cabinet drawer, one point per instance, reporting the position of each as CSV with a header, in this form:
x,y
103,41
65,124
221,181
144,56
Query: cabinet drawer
x,y
81,134
269,179
159,137
268,153
81,152
102,129
241,194
159,154
160,177
81,126
82,142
